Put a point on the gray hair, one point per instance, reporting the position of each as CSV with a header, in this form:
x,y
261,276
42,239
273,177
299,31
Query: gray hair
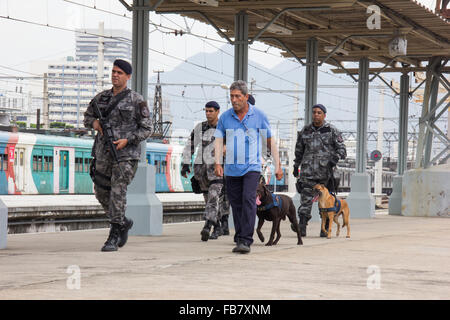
x,y
240,85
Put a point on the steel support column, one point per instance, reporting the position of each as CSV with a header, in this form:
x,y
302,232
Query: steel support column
x,y
312,57
360,200
363,104
143,205
431,118
403,124
241,46
139,80
395,199
428,127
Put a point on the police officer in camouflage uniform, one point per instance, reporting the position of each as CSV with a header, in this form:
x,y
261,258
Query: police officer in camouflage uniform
x,y
317,151
128,115
217,208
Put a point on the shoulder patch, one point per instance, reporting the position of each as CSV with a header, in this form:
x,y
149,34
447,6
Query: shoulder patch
x,y
144,109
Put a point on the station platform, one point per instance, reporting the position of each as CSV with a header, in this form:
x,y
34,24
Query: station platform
x,y
49,213
387,257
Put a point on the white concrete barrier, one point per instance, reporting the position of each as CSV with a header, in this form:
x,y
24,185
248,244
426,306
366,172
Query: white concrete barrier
x,y
3,224
426,192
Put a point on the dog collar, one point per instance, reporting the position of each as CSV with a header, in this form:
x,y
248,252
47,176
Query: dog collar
x,y
276,202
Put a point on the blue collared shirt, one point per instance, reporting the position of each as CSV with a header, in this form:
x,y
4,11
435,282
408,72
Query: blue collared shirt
x,y
246,140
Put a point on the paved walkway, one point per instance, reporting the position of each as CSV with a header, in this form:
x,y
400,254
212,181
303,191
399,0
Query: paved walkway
x,y
405,257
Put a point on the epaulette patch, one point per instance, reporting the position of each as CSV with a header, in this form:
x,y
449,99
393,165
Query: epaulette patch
x,y
144,109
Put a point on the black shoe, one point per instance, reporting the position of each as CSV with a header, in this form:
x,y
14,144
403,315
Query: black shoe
x,y
127,225
225,229
113,238
241,248
217,232
324,234
206,229
302,228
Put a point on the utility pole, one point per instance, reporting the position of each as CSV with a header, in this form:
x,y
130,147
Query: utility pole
x,y
100,56
157,109
275,164
78,99
294,129
45,102
379,164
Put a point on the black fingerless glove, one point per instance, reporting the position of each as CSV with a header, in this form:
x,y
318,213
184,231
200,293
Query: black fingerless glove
x,y
185,169
295,173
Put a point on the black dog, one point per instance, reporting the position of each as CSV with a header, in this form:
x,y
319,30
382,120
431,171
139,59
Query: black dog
x,y
274,208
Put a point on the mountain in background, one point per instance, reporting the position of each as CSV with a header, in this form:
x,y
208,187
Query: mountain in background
x,y
187,102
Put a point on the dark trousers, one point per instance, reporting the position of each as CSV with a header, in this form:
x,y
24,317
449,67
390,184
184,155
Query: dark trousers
x,y
241,193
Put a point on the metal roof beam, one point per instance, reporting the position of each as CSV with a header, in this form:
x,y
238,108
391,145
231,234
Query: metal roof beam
x,y
396,17
377,70
259,5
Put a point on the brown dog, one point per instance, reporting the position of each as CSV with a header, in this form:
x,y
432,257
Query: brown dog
x,y
265,200
326,200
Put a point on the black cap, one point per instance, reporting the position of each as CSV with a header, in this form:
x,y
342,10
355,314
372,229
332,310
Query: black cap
x,y
212,104
251,99
321,107
124,65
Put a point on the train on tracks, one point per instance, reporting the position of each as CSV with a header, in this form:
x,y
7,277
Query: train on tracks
x,y
51,164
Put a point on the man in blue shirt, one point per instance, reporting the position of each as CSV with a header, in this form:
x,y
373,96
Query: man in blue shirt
x,y
247,133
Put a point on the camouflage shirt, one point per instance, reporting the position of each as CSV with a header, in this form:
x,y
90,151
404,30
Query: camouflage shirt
x,y
130,120
203,134
315,148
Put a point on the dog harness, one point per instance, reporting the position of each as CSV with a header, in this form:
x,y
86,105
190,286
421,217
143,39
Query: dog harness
x,y
276,202
336,208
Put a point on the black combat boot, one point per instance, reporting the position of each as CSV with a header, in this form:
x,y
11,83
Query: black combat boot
x,y
113,238
324,234
217,231
302,223
225,229
127,225
206,229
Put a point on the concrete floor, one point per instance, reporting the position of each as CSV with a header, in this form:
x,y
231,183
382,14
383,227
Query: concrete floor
x,y
388,257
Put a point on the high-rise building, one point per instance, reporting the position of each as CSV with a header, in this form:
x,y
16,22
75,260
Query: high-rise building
x,y
116,45
71,86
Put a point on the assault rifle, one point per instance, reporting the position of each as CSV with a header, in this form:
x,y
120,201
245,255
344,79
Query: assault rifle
x,y
107,131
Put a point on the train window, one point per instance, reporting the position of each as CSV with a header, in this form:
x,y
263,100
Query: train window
x,y
157,166
87,164
78,164
163,168
50,163
39,164
21,158
15,158
4,162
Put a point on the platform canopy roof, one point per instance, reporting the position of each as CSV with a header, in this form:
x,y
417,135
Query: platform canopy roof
x,y
332,23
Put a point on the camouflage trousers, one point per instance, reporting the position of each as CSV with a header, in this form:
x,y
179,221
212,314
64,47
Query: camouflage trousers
x,y
217,204
304,210
110,186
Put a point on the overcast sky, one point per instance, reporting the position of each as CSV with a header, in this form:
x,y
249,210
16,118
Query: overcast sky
x,y
23,42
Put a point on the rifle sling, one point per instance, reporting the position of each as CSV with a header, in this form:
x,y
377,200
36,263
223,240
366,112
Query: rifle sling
x,y
111,106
